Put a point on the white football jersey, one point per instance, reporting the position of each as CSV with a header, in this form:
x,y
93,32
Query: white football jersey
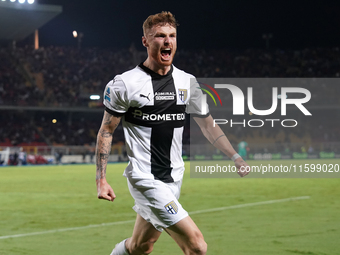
x,y
153,110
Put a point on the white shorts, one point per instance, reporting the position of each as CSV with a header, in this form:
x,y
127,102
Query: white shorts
x,y
157,202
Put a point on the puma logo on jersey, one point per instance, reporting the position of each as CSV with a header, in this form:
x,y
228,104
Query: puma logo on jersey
x,y
147,97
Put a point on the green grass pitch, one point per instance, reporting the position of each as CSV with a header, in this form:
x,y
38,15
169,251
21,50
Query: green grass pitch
x,y
46,198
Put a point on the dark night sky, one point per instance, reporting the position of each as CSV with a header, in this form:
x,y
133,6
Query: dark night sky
x,y
203,24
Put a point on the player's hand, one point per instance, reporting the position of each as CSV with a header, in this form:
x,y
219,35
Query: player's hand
x,y
242,166
104,190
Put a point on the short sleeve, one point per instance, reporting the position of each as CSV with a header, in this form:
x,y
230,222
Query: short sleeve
x,y
116,97
197,105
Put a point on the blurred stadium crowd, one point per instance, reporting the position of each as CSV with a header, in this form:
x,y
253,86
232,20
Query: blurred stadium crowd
x,y
62,78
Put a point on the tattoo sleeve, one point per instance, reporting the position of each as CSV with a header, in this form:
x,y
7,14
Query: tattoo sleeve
x,y
104,140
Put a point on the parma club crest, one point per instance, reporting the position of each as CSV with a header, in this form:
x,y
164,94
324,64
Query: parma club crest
x,y
171,207
183,94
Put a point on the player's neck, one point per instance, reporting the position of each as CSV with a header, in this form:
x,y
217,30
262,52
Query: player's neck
x,y
161,70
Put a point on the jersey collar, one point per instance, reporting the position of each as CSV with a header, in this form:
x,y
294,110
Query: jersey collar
x,y
154,74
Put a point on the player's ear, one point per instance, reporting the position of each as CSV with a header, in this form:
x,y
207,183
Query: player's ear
x,y
144,41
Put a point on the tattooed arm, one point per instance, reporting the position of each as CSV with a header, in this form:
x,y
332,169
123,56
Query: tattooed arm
x,y
103,148
217,138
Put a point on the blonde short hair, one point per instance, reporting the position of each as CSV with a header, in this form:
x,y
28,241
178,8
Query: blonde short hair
x,y
160,19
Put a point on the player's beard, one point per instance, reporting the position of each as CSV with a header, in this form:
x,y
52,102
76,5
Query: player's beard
x,y
161,60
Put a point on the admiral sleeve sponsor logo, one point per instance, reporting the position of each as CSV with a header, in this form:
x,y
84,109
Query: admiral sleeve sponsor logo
x,y
107,95
171,207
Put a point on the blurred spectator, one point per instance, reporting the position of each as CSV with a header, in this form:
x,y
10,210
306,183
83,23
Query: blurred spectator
x,y
22,157
13,159
58,157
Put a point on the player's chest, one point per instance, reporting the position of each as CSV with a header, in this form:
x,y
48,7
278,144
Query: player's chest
x,y
161,93
158,102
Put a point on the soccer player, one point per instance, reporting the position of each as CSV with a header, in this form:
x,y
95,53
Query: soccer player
x,y
151,100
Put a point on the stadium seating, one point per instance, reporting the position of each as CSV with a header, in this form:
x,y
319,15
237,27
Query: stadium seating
x,y
62,78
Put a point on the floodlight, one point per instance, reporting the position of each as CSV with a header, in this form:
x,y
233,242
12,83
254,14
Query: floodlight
x,y
94,97
30,1
22,1
12,1
75,34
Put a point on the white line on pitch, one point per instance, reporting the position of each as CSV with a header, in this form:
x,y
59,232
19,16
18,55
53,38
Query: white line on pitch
x,y
131,221
249,204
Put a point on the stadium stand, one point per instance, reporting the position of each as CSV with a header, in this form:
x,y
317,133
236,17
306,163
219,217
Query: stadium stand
x,y
64,76
53,82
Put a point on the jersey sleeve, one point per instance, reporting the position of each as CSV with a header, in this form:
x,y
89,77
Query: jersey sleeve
x,y
116,97
197,105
